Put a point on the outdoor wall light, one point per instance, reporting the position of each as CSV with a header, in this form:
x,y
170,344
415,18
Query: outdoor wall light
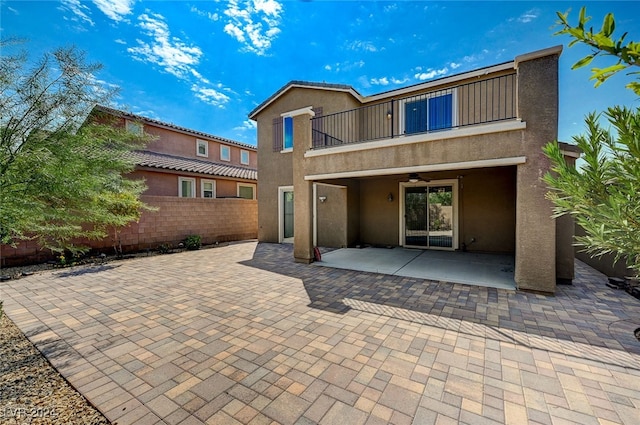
x,y
414,178
322,199
390,197
389,115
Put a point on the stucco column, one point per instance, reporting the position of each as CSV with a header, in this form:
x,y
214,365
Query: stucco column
x,y
535,262
302,189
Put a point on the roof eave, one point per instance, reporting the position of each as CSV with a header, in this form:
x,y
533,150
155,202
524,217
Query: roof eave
x,y
304,85
172,127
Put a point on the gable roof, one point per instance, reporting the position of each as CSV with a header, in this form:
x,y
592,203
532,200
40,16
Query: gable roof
x,y
123,114
304,84
177,163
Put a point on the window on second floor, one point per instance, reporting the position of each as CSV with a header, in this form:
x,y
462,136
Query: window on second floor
x,y
134,127
429,113
202,148
244,157
287,133
225,153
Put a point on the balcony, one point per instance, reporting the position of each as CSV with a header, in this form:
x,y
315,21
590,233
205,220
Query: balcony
x,y
482,102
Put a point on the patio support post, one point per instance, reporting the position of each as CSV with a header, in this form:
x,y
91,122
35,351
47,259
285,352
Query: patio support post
x,y
302,189
535,261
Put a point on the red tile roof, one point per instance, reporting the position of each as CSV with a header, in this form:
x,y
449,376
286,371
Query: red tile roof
x,y
170,162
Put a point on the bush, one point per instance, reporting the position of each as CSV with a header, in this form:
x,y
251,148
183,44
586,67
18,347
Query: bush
x,y
164,248
193,242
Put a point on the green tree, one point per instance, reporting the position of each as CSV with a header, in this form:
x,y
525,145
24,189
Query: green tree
x,y
603,44
61,166
603,193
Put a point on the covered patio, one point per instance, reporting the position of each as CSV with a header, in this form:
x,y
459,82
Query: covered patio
x,y
480,269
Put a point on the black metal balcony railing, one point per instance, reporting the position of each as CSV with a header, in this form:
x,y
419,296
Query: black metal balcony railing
x,y
468,104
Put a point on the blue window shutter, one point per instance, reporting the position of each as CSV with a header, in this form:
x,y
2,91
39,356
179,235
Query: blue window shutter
x,y
415,116
288,132
440,112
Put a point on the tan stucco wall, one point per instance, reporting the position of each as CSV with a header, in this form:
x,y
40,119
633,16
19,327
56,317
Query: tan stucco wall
x,y
535,266
276,168
379,217
487,209
461,149
332,216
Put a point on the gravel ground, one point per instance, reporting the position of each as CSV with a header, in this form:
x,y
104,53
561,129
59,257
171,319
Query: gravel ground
x,y
32,391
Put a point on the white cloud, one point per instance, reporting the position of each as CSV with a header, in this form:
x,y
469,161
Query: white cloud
x,y
476,57
390,8
120,41
247,125
431,73
359,45
380,81
199,76
115,9
399,80
344,66
176,57
455,65
11,9
204,13
81,11
253,23
170,53
528,16
385,81
209,95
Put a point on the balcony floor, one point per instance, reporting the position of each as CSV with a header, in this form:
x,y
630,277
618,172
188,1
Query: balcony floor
x,y
489,270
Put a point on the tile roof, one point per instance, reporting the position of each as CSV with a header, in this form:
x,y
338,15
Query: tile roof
x,y
170,162
124,114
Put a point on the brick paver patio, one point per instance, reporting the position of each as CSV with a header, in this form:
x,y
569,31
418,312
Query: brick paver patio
x,y
242,334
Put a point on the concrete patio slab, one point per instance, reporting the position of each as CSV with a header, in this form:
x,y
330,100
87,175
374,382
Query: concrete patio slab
x,y
491,270
243,334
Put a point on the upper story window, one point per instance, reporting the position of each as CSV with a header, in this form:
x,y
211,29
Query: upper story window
x,y
287,133
202,148
186,187
244,157
134,127
431,112
282,128
225,153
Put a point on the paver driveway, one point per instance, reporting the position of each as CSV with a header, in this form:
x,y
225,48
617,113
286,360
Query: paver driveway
x,y
241,334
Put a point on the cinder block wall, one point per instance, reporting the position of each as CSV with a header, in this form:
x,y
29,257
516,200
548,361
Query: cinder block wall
x,y
215,220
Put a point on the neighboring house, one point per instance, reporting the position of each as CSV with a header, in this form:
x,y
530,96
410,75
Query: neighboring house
x,y
188,163
455,163
199,183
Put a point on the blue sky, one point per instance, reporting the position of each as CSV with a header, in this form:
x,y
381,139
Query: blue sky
x,y
206,64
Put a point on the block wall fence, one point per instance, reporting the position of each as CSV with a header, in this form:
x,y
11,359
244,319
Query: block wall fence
x,y
215,220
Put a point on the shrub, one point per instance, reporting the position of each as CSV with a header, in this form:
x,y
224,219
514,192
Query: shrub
x,y
193,242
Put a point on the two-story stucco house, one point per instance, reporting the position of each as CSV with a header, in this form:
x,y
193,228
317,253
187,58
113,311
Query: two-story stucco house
x,y
188,163
454,164
199,184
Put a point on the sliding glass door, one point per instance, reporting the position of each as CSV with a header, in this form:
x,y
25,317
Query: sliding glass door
x,y
429,215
